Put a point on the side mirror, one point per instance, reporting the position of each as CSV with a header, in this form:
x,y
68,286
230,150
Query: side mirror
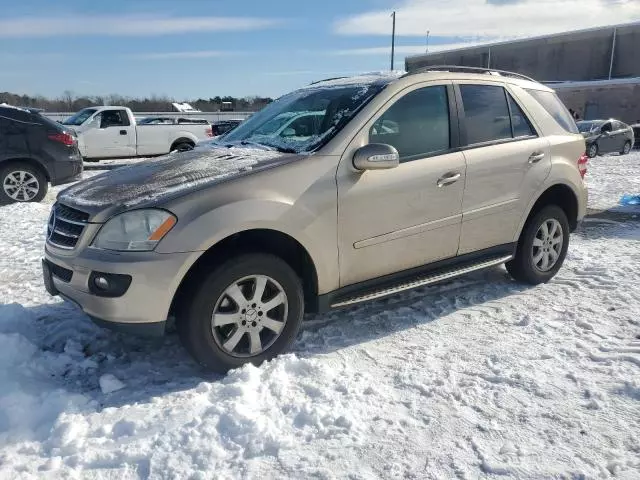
x,y
376,156
606,134
288,132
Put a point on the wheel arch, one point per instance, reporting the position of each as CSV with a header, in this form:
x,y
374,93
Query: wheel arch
x,y
560,194
182,139
29,161
258,240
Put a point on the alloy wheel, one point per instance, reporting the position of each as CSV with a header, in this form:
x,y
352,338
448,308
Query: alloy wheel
x,y
21,186
547,245
249,316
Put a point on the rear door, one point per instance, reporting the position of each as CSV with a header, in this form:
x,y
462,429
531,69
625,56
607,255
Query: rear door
x,y
620,135
506,164
112,135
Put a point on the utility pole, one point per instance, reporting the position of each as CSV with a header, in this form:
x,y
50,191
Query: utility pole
x,y
427,41
393,39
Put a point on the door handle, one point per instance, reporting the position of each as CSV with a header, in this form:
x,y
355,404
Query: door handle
x,y
536,157
448,179
123,132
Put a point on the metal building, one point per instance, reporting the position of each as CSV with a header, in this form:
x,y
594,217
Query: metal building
x,y
579,58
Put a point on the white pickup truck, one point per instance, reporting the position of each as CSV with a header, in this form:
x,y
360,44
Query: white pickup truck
x,y
111,132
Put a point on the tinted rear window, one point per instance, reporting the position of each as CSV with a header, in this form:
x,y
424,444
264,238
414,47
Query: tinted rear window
x,y
50,124
555,108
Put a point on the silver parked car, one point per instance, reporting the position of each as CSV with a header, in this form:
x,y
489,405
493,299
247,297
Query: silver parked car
x,y
399,182
606,136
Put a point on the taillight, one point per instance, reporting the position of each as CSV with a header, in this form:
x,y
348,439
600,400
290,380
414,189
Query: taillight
x,y
209,131
63,138
582,164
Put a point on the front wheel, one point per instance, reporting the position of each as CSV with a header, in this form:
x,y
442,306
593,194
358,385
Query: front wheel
x,y
592,150
249,309
626,149
22,182
542,247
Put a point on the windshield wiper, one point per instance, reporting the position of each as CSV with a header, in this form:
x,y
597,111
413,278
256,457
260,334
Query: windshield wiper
x,y
285,149
249,143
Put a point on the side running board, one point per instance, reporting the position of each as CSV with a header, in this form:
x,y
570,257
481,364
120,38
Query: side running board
x,y
428,279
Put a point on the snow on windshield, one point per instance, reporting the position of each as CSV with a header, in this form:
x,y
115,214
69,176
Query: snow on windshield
x,y
306,119
158,178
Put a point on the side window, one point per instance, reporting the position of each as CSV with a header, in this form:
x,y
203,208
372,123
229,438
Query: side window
x,y
486,113
521,125
607,127
416,125
114,118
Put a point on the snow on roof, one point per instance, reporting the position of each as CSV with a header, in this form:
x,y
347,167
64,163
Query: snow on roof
x,y
362,79
6,105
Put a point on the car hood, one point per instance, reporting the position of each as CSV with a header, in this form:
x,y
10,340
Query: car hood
x,y
154,181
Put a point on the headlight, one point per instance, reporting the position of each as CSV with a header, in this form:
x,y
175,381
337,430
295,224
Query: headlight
x,y
139,230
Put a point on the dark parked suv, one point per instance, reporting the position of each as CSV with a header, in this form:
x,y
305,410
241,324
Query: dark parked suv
x,y
34,151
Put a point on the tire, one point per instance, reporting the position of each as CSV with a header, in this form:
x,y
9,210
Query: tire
x,y
525,266
626,149
228,345
592,150
14,174
182,147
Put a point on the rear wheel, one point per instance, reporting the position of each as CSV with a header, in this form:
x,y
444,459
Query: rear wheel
x,y
248,309
626,149
182,147
542,247
22,182
592,150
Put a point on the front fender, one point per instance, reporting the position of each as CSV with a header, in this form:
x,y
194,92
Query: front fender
x,y
200,233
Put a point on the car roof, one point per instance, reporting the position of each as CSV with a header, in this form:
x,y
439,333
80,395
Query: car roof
x,y
442,72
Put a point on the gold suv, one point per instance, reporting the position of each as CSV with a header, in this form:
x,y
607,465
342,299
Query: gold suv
x,y
347,190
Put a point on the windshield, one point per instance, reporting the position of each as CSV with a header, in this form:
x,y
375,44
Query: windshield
x,y
306,119
80,117
586,127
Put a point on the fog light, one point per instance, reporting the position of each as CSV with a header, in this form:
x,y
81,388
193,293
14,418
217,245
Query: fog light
x,y
108,285
102,283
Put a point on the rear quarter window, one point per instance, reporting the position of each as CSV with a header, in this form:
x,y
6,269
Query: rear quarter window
x,y
554,107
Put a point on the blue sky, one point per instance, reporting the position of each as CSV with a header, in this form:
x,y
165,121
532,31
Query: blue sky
x,y
201,48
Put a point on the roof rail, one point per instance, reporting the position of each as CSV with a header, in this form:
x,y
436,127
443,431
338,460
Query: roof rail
x,y
326,80
458,68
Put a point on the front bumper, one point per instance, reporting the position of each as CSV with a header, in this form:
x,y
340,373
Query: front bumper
x,y
142,309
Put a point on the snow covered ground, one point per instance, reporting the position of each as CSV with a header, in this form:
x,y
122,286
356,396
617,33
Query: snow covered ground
x,y
477,378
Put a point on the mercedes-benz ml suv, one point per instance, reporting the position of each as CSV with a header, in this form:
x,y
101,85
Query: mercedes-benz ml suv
x,y
397,182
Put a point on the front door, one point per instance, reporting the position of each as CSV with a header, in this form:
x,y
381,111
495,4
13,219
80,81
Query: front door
x,y
506,165
607,141
408,216
112,135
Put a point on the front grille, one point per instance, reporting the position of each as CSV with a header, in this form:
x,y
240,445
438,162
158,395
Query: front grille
x,y
62,273
66,225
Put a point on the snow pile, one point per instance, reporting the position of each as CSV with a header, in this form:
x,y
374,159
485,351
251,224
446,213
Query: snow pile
x,y
612,176
477,378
